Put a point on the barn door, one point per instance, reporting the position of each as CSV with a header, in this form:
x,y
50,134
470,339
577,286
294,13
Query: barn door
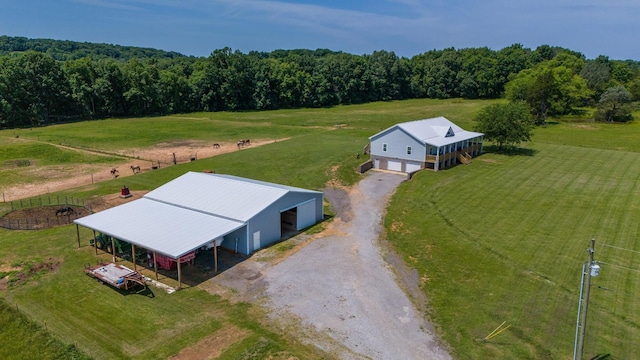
x,y
256,240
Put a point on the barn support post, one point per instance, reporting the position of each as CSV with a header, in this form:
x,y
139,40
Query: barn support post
x,y
133,256
77,234
215,257
155,265
179,274
95,242
113,249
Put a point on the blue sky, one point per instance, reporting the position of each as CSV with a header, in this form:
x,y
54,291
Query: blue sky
x,y
407,27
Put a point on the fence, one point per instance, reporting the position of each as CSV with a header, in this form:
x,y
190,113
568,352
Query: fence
x,y
39,222
43,212
46,201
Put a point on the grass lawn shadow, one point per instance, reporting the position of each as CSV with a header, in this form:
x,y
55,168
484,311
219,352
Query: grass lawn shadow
x,y
509,150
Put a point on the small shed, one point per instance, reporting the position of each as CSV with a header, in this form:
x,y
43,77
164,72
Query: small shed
x,y
435,144
204,209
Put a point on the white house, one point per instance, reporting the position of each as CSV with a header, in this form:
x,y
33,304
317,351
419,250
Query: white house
x,y
435,144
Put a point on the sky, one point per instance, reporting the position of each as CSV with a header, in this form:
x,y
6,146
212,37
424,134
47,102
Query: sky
x,y
406,27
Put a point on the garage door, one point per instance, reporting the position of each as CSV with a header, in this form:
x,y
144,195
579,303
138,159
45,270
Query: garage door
x,y
306,214
412,166
394,165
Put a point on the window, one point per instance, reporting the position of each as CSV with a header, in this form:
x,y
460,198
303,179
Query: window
x,y
384,147
408,150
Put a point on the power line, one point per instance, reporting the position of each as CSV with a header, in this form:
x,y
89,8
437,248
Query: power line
x,y
620,248
620,266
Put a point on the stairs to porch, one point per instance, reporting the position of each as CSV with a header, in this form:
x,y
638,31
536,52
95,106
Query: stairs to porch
x,y
464,158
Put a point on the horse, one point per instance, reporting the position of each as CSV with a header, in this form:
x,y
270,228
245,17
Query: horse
x,y
114,172
216,146
135,169
244,142
68,210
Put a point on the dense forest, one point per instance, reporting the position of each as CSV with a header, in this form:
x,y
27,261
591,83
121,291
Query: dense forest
x,y
45,81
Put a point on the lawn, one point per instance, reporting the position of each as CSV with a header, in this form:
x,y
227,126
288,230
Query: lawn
x,y
104,323
502,239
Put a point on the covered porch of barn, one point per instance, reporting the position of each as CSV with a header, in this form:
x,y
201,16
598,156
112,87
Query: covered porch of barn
x,y
171,235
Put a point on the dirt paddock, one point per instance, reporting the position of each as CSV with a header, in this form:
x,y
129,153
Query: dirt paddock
x,y
63,177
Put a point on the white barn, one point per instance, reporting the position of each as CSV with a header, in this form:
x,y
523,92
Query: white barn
x,y
196,209
435,144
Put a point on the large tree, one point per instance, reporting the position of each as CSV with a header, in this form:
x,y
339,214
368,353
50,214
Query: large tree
x,y
614,105
506,124
552,87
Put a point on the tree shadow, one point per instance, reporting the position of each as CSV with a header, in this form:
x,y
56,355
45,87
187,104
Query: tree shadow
x,y
509,150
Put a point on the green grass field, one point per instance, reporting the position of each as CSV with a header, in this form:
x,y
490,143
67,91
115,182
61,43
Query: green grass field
x,y
502,239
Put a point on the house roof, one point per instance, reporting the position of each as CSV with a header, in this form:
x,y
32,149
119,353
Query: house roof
x,y
188,212
437,131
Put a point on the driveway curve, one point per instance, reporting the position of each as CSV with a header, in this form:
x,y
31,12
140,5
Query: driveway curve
x,y
339,284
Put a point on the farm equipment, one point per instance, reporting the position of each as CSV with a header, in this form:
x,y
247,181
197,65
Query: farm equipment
x,y
103,242
117,276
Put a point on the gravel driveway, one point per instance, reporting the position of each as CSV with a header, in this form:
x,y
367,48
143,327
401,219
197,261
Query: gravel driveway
x,y
340,286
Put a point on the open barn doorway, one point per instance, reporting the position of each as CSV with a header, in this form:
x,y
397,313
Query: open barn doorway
x,y
288,223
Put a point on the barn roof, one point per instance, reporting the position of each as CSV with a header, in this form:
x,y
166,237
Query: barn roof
x,y
167,229
188,212
437,131
220,195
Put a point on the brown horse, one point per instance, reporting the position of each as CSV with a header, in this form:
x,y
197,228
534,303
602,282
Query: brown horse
x,y
114,172
216,146
135,169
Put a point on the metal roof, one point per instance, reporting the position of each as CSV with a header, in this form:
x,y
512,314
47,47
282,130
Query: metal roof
x,y
187,212
226,196
167,229
434,131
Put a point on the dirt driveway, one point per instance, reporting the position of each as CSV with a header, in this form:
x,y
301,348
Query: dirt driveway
x,y
344,296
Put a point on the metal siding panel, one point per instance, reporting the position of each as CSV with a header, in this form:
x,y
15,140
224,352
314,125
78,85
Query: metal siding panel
x,y
306,214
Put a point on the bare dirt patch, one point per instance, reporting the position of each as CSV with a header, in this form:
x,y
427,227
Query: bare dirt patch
x,y
42,217
99,203
586,127
213,345
64,177
28,270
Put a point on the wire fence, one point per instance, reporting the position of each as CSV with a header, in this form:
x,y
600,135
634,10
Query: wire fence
x,y
43,212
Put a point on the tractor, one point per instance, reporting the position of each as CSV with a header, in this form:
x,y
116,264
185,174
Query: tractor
x,y
103,242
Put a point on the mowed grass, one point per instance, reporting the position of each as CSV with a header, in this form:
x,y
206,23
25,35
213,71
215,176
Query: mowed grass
x,y
504,239
107,324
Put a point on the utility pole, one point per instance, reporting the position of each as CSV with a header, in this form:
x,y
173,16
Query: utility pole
x,y
589,269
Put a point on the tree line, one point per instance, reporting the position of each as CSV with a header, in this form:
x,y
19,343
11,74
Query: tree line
x,y
37,89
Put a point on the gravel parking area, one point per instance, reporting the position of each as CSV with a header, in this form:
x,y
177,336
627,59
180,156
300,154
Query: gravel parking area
x,y
340,286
